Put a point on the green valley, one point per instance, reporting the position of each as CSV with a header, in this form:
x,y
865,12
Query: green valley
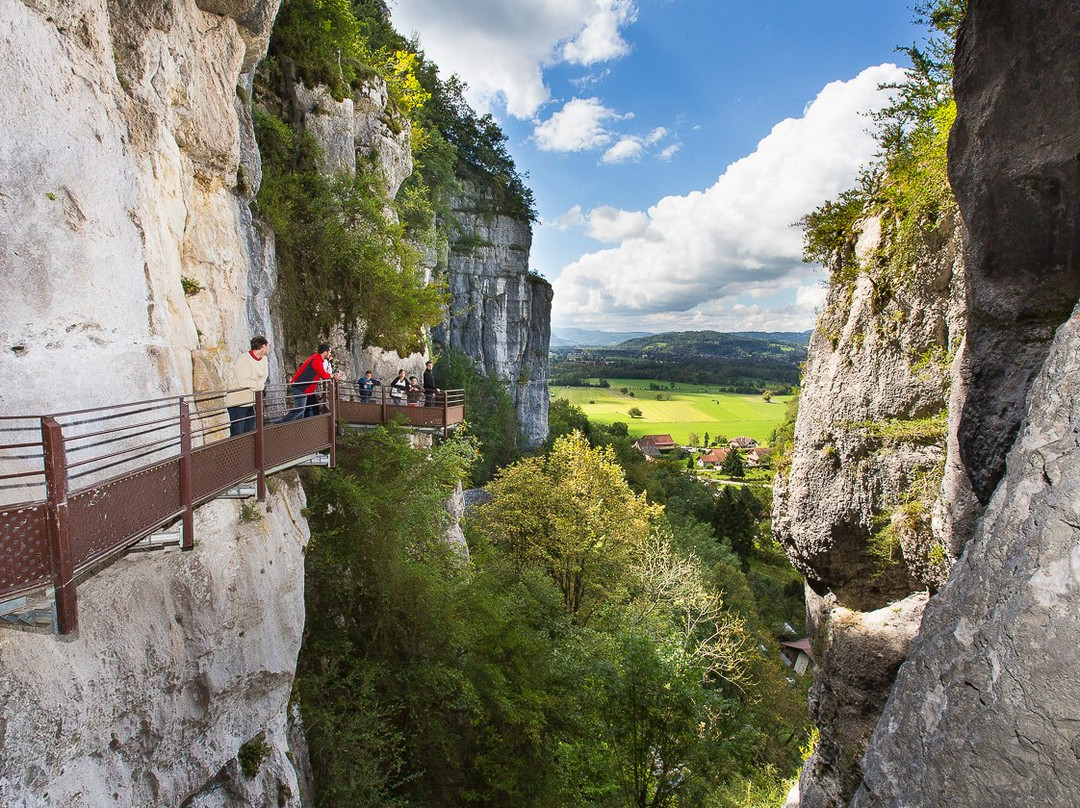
x,y
679,411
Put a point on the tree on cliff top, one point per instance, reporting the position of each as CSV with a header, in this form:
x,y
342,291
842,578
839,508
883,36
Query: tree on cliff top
x,y
909,181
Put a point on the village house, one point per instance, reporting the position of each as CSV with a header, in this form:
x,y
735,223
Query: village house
x,y
797,654
755,457
661,443
713,458
742,442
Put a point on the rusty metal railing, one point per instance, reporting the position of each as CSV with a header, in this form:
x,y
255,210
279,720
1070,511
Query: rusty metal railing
x,y
79,488
439,410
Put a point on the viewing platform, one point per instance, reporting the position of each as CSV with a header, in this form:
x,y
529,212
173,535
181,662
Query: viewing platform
x,y
78,489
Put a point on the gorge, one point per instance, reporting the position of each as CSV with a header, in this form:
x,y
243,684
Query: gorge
x,y
931,501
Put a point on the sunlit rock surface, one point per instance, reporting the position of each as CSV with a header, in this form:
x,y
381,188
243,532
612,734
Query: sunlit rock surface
x,y
500,313
982,712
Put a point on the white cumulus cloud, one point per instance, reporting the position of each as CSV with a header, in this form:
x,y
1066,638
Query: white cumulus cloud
x,y
701,254
668,152
612,225
627,148
501,49
578,126
571,218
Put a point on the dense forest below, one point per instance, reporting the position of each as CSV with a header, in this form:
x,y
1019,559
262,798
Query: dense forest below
x,y
608,638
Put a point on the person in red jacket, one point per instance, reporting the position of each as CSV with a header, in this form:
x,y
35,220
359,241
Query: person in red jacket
x,y
304,385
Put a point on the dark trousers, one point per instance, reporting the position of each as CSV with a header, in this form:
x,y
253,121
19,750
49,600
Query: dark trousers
x,y
241,420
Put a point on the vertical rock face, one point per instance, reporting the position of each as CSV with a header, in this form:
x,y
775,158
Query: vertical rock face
x,y
181,660
985,704
1013,163
128,157
856,513
500,314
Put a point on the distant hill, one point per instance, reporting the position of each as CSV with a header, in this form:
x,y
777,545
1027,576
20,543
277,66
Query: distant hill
x,y
736,363
584,338
794,337
783,346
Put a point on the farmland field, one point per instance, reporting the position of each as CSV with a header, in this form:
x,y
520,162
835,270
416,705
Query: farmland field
x,y
692,408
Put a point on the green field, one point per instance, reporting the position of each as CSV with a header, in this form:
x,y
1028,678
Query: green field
x,y
692,408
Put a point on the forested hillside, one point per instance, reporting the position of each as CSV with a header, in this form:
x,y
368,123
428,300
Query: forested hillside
x,y
738,363
610,640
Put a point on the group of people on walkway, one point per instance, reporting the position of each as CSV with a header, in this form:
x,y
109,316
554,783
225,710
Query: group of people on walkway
x,y
251,371
407,391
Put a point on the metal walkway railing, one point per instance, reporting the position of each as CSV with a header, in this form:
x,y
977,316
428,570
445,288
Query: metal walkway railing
x,y
85,486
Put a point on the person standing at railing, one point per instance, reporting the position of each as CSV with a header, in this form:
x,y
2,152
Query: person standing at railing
x,y
250,372
304,385
429,384
415,392
367,384
399,388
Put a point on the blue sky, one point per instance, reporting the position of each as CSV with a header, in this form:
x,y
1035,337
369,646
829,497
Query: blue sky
x,y
672,143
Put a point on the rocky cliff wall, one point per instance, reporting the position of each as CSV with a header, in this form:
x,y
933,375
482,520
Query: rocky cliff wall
x,y
500,313
978,712
982,712
856,510
128,157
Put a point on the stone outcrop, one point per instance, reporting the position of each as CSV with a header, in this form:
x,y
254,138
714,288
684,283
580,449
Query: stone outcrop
x,y
982,711
500,313
979,712
128,157
358,127
856,510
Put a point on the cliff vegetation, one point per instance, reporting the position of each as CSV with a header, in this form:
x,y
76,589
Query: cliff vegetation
x,y
610,641
349,248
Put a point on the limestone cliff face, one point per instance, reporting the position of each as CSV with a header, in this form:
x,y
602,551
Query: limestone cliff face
x,y
984,704
128,157
181,659
978,712
500,314
855,512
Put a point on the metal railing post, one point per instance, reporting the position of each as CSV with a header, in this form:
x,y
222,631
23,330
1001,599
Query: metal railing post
x,y
333,422
260,464
382,414
445,415
187,541
61,559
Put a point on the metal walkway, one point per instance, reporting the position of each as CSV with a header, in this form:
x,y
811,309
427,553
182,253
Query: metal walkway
x,y
86,486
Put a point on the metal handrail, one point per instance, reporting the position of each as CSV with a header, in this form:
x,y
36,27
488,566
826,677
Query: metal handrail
x,y
40,541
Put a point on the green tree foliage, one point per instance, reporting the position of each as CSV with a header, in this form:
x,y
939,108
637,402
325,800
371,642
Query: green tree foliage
x,y
570,514
564,418
489,412
342,260
733,464
909,182
428,680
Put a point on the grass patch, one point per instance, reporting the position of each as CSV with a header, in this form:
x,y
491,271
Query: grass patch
x,y
691,408
930,430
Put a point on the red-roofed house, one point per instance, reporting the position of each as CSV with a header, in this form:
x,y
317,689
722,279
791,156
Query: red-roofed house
x,y
662,443
755,457
713,457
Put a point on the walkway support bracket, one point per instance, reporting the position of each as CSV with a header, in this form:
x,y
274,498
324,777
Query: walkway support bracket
x,y
59,526
187,540
260,436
